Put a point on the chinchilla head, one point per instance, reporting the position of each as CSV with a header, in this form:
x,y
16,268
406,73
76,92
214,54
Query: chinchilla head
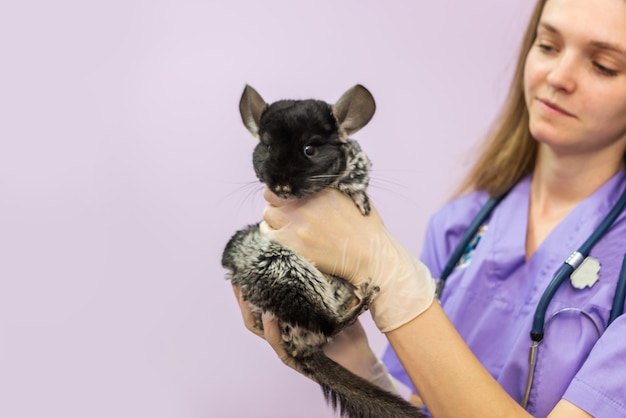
x,y
302,143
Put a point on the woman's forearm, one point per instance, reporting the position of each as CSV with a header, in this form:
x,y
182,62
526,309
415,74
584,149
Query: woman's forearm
x,y
448,377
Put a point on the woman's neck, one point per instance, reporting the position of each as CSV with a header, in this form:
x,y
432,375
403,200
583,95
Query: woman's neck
x,y
559,183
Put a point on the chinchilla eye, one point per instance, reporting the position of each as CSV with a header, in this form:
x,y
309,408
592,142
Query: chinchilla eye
x,y
309,150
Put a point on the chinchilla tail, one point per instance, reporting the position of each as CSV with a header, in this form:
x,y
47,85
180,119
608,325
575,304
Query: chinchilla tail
x,y
351,395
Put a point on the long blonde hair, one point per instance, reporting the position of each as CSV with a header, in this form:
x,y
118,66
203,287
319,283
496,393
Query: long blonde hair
x,y
509,151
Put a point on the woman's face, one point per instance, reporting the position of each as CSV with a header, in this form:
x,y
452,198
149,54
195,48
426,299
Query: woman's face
x,y
575,77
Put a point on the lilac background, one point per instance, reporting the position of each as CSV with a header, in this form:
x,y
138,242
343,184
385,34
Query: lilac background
x,y
124,168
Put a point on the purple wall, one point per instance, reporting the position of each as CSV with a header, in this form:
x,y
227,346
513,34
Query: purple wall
x,y
124,168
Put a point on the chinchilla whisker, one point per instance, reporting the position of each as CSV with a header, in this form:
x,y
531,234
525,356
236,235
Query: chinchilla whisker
x,y
396,170
249,189
388,183
254,194
392,186
404,196
323,177
377,178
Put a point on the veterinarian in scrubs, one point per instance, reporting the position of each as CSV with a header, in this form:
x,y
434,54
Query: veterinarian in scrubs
x,y
559,150
491,301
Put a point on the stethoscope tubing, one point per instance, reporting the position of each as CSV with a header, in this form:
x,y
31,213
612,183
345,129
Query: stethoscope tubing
x,y
620,294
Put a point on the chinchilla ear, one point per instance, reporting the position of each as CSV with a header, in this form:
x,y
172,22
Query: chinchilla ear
x,y
251,107
354,110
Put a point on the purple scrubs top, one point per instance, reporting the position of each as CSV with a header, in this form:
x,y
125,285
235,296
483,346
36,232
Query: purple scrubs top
x,y
491,298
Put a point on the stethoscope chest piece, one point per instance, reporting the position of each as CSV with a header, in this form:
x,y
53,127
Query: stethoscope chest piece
x,y
587,274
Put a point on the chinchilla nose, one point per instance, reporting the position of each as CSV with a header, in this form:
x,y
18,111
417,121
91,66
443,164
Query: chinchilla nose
x,y
282,189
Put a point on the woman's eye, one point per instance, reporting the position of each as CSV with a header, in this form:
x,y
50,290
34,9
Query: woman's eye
x,y
545,47
309,150
605,70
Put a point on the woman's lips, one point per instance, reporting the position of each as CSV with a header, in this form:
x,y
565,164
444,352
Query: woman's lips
x,y
554,108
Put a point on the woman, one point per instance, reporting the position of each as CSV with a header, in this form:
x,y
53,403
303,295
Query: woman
x,y
560,148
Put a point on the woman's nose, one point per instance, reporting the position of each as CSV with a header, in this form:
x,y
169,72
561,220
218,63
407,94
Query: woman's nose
x,y
562,75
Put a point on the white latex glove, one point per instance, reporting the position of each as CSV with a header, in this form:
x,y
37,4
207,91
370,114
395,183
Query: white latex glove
x,y
330,231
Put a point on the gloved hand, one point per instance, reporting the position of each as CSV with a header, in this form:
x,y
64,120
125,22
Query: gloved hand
x,y
330,231
350,348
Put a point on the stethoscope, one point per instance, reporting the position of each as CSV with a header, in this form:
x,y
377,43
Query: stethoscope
x,y
572,263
